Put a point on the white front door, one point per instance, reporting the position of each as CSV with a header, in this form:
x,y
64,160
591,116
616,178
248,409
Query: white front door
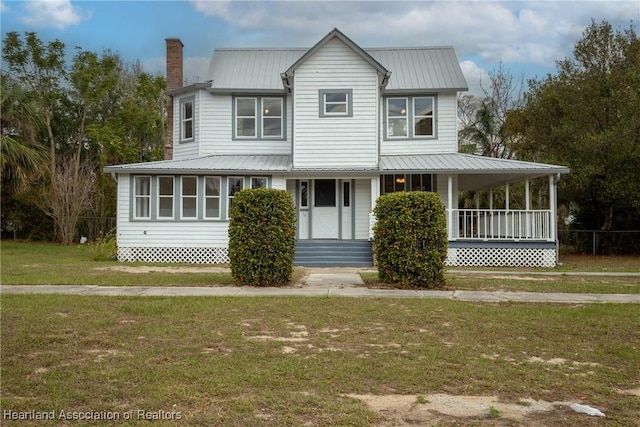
x,y
325,216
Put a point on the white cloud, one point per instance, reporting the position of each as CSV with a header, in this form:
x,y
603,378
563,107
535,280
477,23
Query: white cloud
x,y
3,7
52,14
521,32
475,76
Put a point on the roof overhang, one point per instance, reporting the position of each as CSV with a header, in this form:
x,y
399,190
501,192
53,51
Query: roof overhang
x,y
473,172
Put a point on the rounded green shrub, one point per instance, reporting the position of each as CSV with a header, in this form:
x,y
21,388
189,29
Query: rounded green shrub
x,y
410,239
262,237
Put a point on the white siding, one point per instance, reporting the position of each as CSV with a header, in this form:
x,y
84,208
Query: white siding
x,y
363,208
446,140
335,142
217,130
165,233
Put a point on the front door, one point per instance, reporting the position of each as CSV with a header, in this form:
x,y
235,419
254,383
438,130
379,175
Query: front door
x,y
325,216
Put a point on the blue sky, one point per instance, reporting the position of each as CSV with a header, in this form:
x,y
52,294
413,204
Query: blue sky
x,y
527,36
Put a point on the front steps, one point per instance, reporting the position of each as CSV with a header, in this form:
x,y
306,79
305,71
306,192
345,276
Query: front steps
x,y
333,253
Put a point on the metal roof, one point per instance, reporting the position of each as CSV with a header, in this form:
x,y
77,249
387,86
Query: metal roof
x,y
463,163
418,68
415,68
474,172
228,164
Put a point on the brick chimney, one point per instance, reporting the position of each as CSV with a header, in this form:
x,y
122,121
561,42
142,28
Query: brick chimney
x,y
174,81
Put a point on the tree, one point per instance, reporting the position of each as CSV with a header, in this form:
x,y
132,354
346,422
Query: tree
x,y
95,111
21,157
484,128
588,118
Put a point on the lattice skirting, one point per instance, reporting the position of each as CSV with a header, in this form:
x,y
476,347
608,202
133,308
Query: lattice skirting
x,y
209,255
499,257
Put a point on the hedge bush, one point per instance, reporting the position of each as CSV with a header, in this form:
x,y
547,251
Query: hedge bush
x,y
262,237
410,238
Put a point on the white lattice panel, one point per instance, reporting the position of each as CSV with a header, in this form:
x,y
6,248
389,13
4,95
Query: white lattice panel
x,y
501,257
209,255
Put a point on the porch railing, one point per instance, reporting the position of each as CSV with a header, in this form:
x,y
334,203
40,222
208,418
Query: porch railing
x,y
496,224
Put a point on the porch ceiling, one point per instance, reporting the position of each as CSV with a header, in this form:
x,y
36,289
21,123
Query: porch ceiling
x,y
474,172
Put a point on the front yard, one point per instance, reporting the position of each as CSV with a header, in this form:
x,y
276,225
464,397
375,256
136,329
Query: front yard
x,y
318,361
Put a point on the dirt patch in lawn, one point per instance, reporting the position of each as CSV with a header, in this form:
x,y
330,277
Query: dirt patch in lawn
x,y
143,269
444,409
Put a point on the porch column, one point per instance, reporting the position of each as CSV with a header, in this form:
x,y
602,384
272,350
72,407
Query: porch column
x,y
527,203
375,191
553,208
450,206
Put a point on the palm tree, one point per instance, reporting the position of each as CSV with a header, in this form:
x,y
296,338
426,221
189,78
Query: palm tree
x,y
21,158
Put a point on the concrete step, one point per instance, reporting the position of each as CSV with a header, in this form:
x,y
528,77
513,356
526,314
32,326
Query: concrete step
x,y
333,253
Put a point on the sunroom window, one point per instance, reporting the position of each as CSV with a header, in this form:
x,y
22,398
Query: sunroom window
x,y
212,197
142,191
165,197
189,197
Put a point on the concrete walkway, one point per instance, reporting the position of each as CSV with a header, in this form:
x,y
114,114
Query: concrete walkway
x,y
324,289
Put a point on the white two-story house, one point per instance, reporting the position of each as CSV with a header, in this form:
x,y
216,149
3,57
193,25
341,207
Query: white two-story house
x,y
336,125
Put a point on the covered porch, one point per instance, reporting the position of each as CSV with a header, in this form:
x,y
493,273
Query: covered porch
x,y
499,212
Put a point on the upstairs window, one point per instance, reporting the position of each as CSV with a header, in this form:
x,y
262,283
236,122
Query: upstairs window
x,y
336,102
246,117
259,118
410,117
186,120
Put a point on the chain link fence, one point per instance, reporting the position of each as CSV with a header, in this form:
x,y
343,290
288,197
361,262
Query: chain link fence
x,y
598,242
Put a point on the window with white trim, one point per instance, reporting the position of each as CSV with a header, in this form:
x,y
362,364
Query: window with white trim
x,y
186,119
189,195
165,196
259,117
235,184
336,102
142,196
212,197
410,117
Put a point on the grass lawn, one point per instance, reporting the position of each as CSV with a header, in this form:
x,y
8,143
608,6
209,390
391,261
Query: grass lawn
x,y
51,264
294,361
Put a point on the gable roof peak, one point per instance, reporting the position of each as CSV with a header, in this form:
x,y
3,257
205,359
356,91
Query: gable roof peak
x,y
336,33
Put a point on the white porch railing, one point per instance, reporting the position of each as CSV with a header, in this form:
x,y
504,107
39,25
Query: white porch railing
x,y
497,224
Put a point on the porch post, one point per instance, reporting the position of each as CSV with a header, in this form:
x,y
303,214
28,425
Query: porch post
x,y
527,201
553,208
506,216
450,205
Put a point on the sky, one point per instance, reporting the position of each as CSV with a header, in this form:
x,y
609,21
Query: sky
x,y
527,37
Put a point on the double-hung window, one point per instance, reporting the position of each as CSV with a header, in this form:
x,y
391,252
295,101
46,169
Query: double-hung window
x,y
186,119
142,196
259,182
410,117
189,197
259,117
212,197
235,184
165,197
336,102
